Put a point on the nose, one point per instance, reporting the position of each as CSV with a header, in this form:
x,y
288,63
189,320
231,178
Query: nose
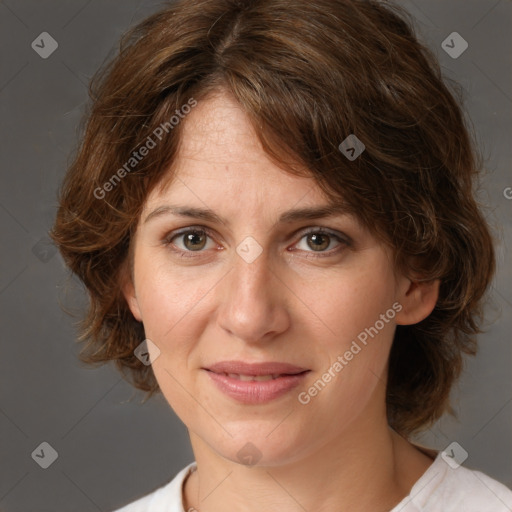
x,y
253,301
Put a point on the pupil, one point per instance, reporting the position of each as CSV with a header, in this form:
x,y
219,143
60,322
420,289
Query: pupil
x,y
192,237
316,238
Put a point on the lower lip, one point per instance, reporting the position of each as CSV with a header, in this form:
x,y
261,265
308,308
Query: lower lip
x,y
256,392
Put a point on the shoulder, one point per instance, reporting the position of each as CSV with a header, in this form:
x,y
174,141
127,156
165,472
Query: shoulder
x,y
476,492
455,489
167,498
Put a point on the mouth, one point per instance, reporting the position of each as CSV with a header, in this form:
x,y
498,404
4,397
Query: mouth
x,y
255,383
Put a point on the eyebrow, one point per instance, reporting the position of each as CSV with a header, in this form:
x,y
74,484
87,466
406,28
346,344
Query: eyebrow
x,y
295,215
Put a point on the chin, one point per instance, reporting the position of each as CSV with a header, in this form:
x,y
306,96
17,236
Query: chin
x,y
258,445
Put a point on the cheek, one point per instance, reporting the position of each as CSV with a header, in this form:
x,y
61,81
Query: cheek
x,y
352,385
353,302
172,305
169,298
358,337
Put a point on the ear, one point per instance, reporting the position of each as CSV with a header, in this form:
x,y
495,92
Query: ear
x,y
128,289
418,299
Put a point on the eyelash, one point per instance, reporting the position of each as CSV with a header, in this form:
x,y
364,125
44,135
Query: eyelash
x,y
167,241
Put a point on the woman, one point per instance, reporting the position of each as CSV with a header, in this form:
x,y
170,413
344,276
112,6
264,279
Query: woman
x,y
273,213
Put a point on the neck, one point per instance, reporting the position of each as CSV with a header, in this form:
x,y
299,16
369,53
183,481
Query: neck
x,y
366,468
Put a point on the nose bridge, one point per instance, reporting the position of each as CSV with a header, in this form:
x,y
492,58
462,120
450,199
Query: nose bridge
x,y
251,272
251,276
250,282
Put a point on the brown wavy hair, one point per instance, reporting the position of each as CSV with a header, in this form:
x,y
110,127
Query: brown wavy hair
x,y
308,73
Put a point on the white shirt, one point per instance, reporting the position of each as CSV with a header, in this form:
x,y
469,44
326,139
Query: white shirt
x,y
440,489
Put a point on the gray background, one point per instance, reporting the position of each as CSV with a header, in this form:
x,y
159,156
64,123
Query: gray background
x,y
111,448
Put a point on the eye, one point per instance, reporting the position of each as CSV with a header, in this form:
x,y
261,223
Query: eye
x,y
192,240
319,240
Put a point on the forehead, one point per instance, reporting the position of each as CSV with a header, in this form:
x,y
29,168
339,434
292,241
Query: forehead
x,y
218,127
220,153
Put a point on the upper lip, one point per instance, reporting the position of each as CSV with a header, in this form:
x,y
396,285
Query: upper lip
x,y
243,368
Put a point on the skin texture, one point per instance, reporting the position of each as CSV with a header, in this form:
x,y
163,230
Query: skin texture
x,y
289,305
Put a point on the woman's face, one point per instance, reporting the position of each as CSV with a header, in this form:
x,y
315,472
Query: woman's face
x,y
255,288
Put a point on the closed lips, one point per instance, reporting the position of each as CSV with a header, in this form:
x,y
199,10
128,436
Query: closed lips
x,y
255,383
